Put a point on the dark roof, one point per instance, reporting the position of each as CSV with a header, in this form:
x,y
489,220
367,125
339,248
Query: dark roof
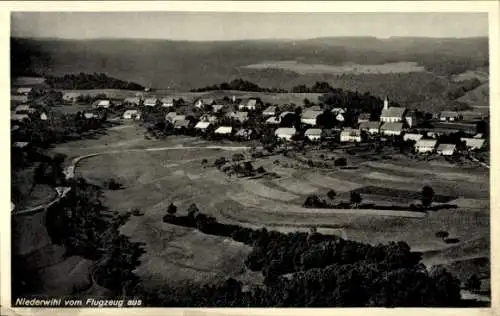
x,y
393,112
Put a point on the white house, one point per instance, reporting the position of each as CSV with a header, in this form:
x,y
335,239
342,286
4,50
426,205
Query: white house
x,y
364,117
425,145
208,118
391,114
19,98
371,127
337,110
412,136
250,104
170,116
339,117
473,143
130,114
24,109
70,96
218,107
178,124
313,134
89,115
150,101
43,116
167,102
202,125
19,117
273,120
24,90
391,129
103,104
238,115
309,117
20,144
199,103
446,149
285,133
449,116
224,130
350,135
270,111
285,113
244,133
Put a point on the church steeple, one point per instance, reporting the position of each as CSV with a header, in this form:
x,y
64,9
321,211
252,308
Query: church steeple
x,y
386,103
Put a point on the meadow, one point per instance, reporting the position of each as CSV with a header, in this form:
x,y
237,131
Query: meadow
x,y
154,179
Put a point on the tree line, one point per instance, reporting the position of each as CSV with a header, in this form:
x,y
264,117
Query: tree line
x,y
85,81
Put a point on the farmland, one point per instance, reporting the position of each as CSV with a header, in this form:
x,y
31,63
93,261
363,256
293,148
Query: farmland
x,y
154,179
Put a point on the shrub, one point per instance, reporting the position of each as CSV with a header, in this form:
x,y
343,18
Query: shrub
x,y
340,162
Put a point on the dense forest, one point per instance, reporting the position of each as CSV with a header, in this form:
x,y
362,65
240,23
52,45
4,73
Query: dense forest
x,y
238,84
83,81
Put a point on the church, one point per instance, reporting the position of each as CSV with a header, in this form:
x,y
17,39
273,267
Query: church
x,y
392,114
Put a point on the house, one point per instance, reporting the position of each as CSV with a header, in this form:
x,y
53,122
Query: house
x,y
216,108
270,111
19,98
199,103
20,144
391,129
43,116
478,135
24,90
285,133
130,114
315,108
150,101
364,117
132,101
339,117
103,104
181,123
283,114
411,119
24,109
473,143
446,149
238,116
449,116
202,125
337,110
309,117
250,104
313,134
244,133
391,114
425,145
19,117
273,120
179,117
370,127
208,118
170,116
350,135
71,96
224,130
89,115
412,136
329,134
167,102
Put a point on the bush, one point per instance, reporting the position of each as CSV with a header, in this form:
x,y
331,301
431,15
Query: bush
x,y
340,162
172,209
442,234
114,185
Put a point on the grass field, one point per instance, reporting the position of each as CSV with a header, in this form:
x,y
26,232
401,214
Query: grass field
x,y
306,69
154,179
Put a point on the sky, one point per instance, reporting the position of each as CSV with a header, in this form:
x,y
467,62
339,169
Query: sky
x,y
215,26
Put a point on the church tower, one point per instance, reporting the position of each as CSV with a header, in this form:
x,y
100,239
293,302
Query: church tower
x,y
386,103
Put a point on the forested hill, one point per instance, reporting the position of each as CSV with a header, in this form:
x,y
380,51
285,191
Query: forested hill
x,y
83,81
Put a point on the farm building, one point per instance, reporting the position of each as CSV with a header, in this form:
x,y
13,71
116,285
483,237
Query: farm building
x,y
391,129
167,102
151,102
350,135
70,96
309,117
132,101
218,107
19,98
370,127
19,117
270,111
250,104
273,120
425,145
178,124
244,133
364,117
130,114
24,109
446,149
199,103
238,116
208,118
411,119
24,90
224,130
202,125
473,143
392,114
285,133
313,134
412,136
314,108
103,104
449,116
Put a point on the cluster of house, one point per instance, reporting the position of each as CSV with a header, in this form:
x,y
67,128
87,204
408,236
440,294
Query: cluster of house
x,y
23,111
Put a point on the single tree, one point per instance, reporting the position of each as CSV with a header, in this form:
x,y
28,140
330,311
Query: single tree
x,y
193,210
331,194
355,198
172,209
442,234
427,196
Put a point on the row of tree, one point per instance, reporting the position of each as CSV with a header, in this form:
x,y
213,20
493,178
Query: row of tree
x,y
85,81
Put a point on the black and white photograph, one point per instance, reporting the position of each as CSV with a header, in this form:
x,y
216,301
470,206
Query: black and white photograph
x,y
250,159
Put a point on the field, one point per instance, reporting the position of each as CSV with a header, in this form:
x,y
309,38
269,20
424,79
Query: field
x,y
154,179
307,69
